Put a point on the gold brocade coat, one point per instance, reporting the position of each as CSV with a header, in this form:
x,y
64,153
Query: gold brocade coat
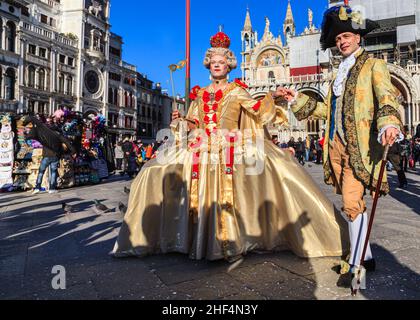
x,y
369,104
195,200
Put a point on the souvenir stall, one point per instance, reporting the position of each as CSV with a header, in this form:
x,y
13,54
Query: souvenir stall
x,y
23,160
20,160
28,160
6,153
94,143
72,131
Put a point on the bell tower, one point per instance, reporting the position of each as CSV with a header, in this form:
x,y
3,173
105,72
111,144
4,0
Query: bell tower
x,y
289,28
249,41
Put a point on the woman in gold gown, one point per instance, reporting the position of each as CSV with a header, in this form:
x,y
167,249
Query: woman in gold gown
x,y
224,188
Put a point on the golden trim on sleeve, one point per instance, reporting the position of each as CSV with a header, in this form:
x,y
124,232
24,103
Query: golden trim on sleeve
x,y
306,109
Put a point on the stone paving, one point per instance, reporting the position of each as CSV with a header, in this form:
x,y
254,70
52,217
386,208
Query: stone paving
x,y
35,235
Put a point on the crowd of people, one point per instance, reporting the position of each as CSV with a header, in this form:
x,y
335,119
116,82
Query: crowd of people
x,y
305,150
130,156
404,155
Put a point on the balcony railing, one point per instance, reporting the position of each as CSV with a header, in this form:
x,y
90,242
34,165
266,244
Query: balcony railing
x,y
52,3
402,58
294,79
50,34
129,66
8,105
37,87
115,61
38,60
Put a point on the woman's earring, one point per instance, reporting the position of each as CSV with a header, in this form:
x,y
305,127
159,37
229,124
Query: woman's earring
x,y
210,77
227,77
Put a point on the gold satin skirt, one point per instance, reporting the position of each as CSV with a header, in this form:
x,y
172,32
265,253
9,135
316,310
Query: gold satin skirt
x,y
281,208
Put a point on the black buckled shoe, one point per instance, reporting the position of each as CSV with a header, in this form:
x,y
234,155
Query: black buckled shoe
x,y
344,281
370,265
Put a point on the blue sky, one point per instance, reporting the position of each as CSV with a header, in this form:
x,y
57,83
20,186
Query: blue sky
x,y
154,31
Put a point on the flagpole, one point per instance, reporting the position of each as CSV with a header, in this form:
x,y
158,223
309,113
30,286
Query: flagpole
x,y
187,49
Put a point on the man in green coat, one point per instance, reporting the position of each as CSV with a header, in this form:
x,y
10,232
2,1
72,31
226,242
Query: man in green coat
x,y
361,113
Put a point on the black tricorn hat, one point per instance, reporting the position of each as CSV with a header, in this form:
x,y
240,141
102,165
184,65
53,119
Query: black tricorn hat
x,y
340,19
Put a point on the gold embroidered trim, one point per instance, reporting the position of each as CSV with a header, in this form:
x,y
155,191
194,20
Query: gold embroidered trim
x,y
387,111
360,171
307,109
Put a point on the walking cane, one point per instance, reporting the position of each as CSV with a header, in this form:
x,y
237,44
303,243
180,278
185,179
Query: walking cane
x,y
359,280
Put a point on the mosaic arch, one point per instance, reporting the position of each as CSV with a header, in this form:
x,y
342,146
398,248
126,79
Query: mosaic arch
x,y
269,58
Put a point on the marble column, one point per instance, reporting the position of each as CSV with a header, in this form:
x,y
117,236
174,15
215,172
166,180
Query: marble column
x,y
3,36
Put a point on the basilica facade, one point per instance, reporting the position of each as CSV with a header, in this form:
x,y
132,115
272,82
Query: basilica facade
x,y
271,61
295,60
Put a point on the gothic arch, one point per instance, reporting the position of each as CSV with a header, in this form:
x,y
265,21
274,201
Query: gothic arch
x,y
42,78
10,36
10,84
311,91
31,76
404,81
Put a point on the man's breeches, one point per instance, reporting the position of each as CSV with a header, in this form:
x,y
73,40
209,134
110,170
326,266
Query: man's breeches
x,y
351,188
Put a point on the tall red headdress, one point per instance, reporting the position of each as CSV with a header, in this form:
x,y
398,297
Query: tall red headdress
x,y
220,40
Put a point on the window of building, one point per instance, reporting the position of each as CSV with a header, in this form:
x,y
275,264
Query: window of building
x,y
31,76
9,82
70,61
111,95
43,52
69,85
31,106
42,79
115,51
25,11
149,130
87,42
44,19
271,75
10,36
61,83
116,97
53,22
128,122
115,76
131,100
32,49
113,118
42,108
141,128
62,59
